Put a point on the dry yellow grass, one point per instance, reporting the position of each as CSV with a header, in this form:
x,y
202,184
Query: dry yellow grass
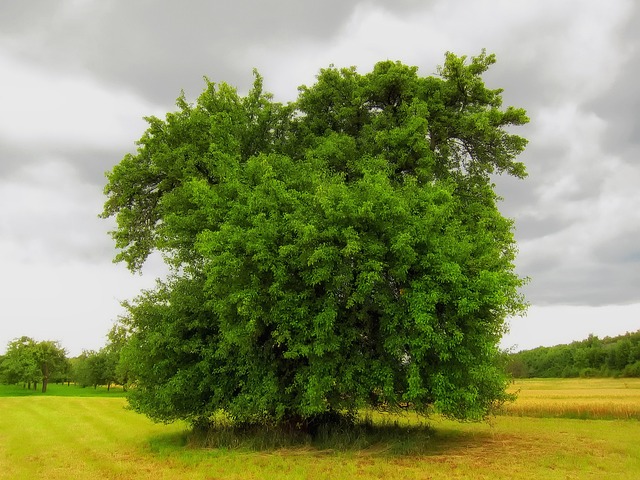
x,y
577,398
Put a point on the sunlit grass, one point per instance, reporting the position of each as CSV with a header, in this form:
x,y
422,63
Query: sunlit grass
x,y
58,437
76,438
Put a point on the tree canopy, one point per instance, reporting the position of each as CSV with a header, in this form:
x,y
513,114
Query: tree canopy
x,y
342,251
28,361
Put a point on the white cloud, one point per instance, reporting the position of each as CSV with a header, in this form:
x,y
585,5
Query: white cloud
x,y
553,325
74,303
58,282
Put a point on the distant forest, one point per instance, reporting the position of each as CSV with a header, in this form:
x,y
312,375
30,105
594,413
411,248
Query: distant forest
x,y
32,363
593,357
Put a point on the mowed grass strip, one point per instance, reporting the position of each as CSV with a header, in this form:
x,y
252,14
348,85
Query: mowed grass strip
x,y
61,437
73,438
597,398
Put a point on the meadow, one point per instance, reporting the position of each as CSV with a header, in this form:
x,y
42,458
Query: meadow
x,y
546,434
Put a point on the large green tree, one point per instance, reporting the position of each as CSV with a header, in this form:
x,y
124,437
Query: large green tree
x,y
342,251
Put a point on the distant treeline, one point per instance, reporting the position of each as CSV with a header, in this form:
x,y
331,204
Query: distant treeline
x,y
34,363
593,357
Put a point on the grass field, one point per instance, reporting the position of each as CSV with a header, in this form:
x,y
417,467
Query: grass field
x,y
61,390
81,437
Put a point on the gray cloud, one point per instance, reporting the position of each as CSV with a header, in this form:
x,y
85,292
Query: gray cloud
x,y
89,164
50,216
17,17
624,248
159,51
620,103
80,74
588,284
532,228
13,157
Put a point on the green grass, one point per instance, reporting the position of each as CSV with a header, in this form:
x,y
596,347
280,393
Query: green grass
x,y
67,437
61,390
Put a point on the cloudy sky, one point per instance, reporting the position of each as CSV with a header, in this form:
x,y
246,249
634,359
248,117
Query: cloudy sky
x,y
77,76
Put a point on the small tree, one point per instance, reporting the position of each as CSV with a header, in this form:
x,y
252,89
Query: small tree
x,y
28,361
64,374
119,361
81,369
51,358
95,368
20,363
339,252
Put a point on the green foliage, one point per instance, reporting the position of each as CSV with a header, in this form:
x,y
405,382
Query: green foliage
x,y
632,370
51,358
107,366
119,362
339,252
93,368
593,357
30,362
20,365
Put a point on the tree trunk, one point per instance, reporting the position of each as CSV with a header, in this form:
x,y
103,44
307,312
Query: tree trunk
x,y
45,377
